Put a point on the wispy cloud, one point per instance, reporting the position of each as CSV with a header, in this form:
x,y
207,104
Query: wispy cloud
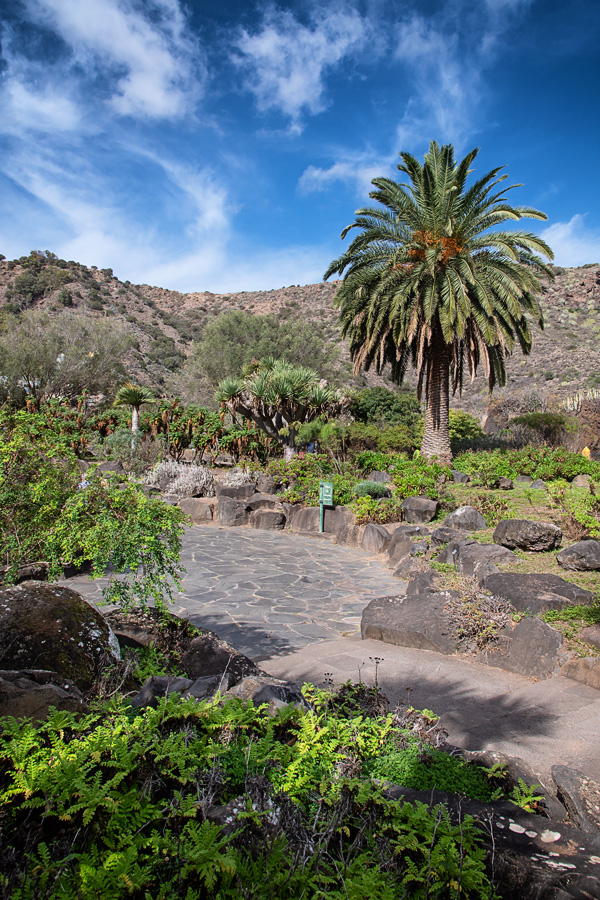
x,y
146,54
572,242
285,61
357,172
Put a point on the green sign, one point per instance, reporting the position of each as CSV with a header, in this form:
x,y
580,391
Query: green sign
x,y
326,493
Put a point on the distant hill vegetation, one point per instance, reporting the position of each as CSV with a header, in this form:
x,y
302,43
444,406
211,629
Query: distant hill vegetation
x,y
181,343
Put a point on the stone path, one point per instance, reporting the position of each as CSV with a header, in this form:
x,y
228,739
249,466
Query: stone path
x,y
294,604
269,593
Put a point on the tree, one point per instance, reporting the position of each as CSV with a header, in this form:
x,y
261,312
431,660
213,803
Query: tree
x,y
61,356
279,397
234,338
133,395
429,280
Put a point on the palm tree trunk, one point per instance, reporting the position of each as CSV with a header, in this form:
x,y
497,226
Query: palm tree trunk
x,y
436,437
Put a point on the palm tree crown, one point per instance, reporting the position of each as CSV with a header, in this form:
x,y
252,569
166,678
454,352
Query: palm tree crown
x,y
133,395
431,281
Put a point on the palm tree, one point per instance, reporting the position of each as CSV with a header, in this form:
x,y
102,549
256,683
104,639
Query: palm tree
x,y
133,395
278,397
429,280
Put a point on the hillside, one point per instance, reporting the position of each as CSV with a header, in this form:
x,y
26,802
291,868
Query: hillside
x,y
163,323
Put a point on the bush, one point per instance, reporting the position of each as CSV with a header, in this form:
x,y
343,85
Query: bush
x,y
538,462
463,428
114,804
181,479
371,489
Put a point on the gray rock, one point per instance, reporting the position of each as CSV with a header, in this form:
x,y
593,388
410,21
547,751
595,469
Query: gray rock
x,y
538,485
443,535
416,621
411,530
581,797
536,593
581,557
419,548
350,535
264,501
208,685
30,693
460,477
523,534
418,510
591,635
268,519
235,491
524,479
380,477
530,647
157,687
45,626
584,669
375,538
33,571
465,518
265,484
231,512
472,554
208,655
334,520
504,484
422,584
449,555
199,509
581,481
265,689
398,548
410,566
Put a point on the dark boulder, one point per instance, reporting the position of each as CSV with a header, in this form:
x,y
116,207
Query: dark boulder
x,y
263,689
267,519
231,512
460,477
375,538
538,485
530,647
419,510
581,797
208,655
536,593
380,477
522,534
266,484
504,484
420,622
398,548
33,571
235,491
468,555
157,687
30,693
465,518
199,509
44,626
581,557
444,534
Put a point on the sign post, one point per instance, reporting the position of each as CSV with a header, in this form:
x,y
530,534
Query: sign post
x,y
325,499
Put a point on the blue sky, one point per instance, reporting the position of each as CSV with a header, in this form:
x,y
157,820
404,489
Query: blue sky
x,y
224,146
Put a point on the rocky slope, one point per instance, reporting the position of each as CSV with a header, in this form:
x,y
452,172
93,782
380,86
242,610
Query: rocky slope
x,y
565,359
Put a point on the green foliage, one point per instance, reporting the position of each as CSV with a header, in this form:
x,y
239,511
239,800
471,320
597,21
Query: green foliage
x,y
524,795
43,515
233,339
120,803
371,489
580,505
550,427
426,769
380,406
463,428
538,462
113,525
418,477
583,615
491,507
366,510
38,472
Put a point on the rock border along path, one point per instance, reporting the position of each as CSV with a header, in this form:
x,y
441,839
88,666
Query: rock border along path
x,y
294,604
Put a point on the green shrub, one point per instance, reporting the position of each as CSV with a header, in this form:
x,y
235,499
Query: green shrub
x,y
366,510
538,462
371,489
114,804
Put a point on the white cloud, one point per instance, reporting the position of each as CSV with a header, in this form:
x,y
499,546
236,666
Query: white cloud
x,y
48,108
573,244
355,172
147,52
285,61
